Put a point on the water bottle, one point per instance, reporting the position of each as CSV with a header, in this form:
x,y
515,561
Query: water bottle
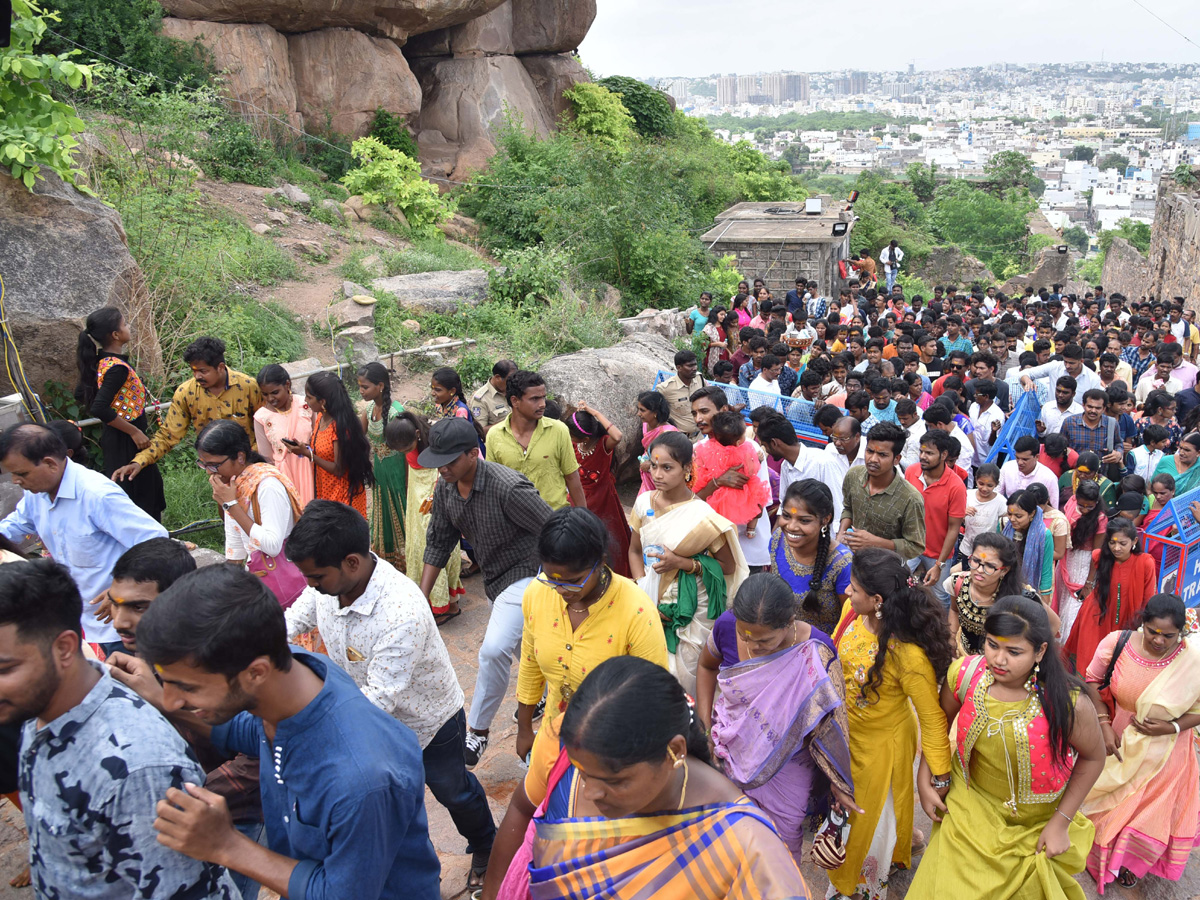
x,y
647,559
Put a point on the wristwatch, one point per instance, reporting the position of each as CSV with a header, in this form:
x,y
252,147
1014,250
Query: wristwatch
x,y
228,505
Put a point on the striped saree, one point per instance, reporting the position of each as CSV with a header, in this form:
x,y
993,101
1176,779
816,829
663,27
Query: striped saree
x,y
725,850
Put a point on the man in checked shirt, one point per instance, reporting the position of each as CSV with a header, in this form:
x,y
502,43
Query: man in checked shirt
x,y
501,513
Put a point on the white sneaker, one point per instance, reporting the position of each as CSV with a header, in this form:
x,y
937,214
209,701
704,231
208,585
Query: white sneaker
x,y
475,747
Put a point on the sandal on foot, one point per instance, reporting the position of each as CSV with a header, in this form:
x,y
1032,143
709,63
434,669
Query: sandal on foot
x,y
479,867
443,618
1127,879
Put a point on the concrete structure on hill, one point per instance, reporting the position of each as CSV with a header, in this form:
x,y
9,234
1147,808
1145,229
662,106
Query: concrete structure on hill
x,y
780,242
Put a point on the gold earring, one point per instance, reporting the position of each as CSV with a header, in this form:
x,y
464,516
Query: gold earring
x,y
676,760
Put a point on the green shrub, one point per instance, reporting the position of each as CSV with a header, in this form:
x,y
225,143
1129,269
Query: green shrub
x,y
723,279
391,131
235,153
130,32
649,107
36,129
387,178
600,114
529,275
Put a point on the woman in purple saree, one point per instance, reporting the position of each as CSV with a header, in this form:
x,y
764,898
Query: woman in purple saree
x,y
779,720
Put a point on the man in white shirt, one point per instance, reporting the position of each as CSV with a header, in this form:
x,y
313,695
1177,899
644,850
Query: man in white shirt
x,y
891,256
379,628
846,447
1157,379
1022,471
1071,364
988,418
799,460
1050,419
766,382
910,420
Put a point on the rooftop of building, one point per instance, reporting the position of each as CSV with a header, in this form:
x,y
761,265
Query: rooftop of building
x,y
786,222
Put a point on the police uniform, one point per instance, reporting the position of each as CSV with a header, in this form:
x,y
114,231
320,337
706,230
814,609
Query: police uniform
x,y
488,405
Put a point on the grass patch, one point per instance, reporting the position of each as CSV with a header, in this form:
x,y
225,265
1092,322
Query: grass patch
x,y
189,496
432,255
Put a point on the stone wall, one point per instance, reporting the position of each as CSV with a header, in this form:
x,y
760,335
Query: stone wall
x,y
1126,271
1174,257
779,265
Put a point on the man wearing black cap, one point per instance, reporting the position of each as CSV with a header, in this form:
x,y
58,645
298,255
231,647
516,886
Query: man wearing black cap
x,y
501,513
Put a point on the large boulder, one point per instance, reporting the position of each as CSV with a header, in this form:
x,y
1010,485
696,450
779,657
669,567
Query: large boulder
x,y
488,35
949,265
391,18
64,255
255,61
551,26
1126,270
610,379
348,75
465,99
552,74
436,292
669,323
1052,268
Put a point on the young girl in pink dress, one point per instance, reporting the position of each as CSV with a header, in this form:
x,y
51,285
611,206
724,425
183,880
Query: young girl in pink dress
x,y
727,448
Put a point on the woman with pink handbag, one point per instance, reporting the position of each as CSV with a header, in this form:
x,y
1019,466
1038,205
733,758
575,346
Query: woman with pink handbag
x,y
260,505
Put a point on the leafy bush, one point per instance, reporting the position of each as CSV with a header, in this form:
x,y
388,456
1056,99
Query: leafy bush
x,y
391,131
430,255
649,107
528,275
130,32
1137,233
35,129
325,150
600,114
723,279
235,153
388,178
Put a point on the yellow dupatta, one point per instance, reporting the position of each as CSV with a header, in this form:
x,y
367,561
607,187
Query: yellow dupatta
x,y
1173,693
690,528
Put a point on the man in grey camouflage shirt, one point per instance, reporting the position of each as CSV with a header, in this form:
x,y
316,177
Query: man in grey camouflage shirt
x,y
95,757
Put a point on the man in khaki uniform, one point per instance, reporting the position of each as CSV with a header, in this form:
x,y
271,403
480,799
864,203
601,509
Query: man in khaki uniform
x,y
488,404
678,390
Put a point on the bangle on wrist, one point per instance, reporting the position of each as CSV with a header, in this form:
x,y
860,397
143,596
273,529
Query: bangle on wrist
x,y
1176,724
1064,815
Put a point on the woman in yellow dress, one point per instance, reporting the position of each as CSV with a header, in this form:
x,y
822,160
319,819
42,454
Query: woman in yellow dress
x,y
1028,749
894,646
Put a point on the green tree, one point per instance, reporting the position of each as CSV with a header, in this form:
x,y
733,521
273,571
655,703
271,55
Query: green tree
x,y
35,129
129,31
1137,233
600,114
1082,152
922,179
1077,238
1113,161
1009,169
991,228
391,131
915,138
650,108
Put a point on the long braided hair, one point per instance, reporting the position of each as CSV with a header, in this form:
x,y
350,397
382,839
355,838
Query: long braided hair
x,y
818,499
377,373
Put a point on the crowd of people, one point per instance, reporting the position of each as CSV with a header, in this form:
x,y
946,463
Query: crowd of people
x,y
744,669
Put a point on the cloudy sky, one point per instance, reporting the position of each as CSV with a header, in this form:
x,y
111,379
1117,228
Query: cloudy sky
x,y
700,37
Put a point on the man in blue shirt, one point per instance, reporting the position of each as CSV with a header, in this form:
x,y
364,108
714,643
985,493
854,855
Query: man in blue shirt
x,y
84,519
795,298
343,788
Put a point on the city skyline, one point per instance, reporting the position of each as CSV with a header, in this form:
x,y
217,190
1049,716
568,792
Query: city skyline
x,y
654,38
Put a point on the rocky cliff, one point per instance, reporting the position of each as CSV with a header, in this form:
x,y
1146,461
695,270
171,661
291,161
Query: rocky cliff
x,y
1171,268
449,66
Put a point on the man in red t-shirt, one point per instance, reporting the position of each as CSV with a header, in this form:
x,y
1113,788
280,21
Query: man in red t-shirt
x,y
945,499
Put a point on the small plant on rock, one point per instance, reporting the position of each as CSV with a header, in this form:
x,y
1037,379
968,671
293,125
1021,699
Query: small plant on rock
x,y
390,179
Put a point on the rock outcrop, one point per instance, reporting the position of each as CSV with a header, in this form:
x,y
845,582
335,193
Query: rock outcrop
x,y
610,379
64,255
949,265
332,63
436,292
1174,255
1052,268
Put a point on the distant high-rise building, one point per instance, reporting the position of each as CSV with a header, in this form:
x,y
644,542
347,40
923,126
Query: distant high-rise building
x,y
747,87
912,69
679,88
727,94
899,88
858,82
802,92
